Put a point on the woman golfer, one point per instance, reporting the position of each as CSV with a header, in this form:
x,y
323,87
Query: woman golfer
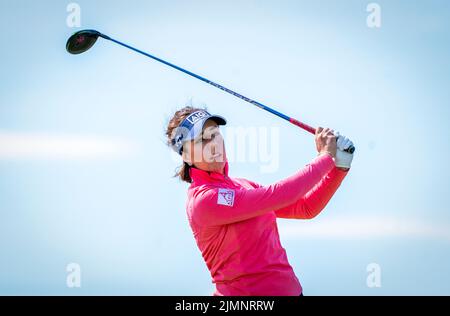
x,y
234,220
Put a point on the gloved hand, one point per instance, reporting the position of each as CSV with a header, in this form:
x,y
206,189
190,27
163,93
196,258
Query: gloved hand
x,y
343,158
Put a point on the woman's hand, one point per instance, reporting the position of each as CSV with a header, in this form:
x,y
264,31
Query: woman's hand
x,y
325,141
343,157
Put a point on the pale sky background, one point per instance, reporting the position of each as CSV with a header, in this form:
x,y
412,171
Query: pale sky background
x,y
85,176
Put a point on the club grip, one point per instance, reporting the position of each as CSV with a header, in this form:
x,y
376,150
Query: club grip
x,y
351,149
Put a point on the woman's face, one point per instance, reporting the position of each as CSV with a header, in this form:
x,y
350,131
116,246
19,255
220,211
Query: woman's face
x,y
207,152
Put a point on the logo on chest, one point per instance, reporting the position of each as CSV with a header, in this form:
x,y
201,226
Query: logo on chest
x,y
225,197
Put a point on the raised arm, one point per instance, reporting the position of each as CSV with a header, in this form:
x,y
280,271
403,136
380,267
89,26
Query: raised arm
x,y
316,199
244,204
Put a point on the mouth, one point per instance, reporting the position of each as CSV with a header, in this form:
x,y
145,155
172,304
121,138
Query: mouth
x,y
216,157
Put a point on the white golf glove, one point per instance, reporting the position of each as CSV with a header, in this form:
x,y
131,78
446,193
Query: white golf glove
x,y
343,158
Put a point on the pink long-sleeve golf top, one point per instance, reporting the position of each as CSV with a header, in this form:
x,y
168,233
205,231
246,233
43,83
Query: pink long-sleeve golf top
x,y
234,224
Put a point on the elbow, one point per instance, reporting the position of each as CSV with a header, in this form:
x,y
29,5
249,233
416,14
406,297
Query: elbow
x,y
311,213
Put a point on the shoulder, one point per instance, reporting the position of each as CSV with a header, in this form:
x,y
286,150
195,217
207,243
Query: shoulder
x,y
201,195
202,200
195,191
247,183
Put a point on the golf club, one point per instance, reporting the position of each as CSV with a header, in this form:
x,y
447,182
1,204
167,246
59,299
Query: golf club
x,y
83,40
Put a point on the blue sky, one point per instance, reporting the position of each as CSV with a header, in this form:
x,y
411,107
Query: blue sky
x,y
85,176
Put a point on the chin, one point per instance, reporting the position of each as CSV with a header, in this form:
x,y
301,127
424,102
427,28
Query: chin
x,y
218,166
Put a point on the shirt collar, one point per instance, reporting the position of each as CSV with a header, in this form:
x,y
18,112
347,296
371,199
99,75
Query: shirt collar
x,y
201,176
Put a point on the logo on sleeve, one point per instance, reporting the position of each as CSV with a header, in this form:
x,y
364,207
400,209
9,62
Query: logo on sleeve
x,y
225,197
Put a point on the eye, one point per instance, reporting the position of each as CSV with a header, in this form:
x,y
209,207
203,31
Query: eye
x,y
210,136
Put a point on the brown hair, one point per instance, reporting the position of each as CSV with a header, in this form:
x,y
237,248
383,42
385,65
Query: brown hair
x,y
183,171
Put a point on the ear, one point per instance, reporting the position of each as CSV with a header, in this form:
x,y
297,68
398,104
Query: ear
x,y
186,156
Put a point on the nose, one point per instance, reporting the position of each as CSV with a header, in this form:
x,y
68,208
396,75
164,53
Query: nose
x,y
216,145
213,147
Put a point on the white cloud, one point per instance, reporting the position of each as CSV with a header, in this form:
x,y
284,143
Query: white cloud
x,y
32,145
368,227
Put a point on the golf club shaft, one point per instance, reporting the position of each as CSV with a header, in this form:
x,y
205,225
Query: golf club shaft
x,y
302,125
258,104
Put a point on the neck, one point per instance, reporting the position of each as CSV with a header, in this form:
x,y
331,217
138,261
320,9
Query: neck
x,y
221,171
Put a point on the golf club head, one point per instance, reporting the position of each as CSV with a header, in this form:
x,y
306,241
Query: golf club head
x,y
81,41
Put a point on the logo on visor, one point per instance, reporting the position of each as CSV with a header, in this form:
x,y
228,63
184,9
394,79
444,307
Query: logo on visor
x,y
197,116
225,197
